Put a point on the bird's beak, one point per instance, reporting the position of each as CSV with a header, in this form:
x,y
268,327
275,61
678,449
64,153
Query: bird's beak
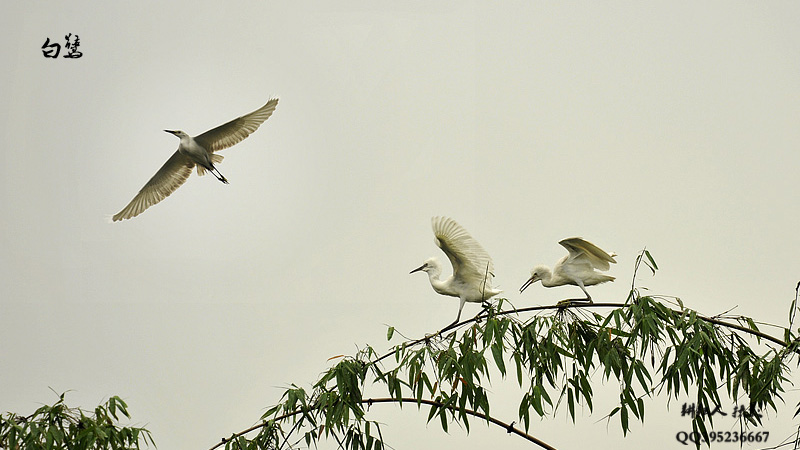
x,y
171,132
417,269
530,281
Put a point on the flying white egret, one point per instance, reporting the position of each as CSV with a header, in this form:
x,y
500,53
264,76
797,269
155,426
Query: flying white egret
x,y
577,268
195,151
472,267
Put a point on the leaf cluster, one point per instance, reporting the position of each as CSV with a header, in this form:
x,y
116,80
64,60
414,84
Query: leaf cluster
x,y
644,346
555,354
57,426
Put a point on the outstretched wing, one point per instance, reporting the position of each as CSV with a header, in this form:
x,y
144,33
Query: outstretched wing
x,y
169,177
471,263
237,129
584,251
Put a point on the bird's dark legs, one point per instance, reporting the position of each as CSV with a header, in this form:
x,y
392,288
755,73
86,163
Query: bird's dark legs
x,y
485,304
460,307
217,174
587,300
576,300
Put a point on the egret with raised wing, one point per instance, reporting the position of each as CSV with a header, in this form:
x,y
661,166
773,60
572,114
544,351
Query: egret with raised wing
x,y
195,151
472,267
577,268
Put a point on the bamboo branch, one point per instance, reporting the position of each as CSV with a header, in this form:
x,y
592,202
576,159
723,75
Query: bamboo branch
x,y
510,428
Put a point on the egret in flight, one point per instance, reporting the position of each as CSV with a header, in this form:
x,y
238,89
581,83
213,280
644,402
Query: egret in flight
x,y
472,267
195,151
577,268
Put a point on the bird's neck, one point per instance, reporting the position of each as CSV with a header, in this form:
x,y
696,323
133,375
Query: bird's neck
x,y
440,286
547,278
187,142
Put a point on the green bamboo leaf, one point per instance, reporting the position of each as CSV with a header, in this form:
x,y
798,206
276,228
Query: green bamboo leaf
x,y
640,404
652,261
642,375
751,323
518,363
489,330
497,353
434,409
537,401
623,418
571,404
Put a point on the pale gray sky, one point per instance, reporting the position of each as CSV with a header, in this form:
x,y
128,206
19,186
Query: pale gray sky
x,y
671,125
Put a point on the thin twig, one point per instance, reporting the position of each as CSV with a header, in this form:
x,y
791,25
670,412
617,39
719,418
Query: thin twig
x,y
572,305
510,428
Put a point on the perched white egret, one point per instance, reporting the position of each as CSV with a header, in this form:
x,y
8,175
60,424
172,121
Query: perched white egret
x,y
577,268
472,267
195,151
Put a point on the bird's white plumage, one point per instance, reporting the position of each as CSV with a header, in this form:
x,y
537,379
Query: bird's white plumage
x,y
581,251
169,177
195,151
578,268
473,270
237,129
472,265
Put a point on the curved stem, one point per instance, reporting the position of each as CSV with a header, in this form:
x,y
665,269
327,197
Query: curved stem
x,y
590,305
481,315
510,428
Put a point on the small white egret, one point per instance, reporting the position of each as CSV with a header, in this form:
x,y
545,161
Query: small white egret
x,y
199,151
577,268
472,267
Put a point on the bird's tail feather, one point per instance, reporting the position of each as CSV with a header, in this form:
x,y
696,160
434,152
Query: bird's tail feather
x,y
215,159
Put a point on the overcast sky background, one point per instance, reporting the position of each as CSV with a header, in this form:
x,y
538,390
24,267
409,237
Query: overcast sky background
x,y
671,125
